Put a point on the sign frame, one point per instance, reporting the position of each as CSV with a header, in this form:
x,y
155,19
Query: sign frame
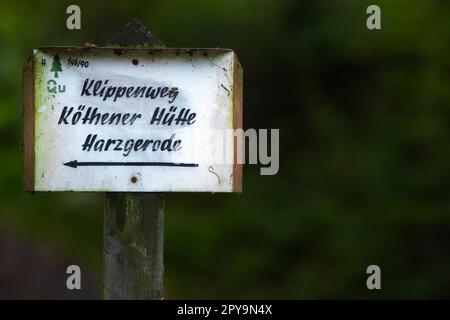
x,y
30,109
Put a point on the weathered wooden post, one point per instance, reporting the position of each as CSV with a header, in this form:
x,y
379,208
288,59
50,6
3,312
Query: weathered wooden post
x,y
133,245
133,239
133,119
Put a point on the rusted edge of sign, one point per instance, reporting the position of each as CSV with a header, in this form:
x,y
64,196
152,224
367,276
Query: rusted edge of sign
x,y
237,120
118,49
28,124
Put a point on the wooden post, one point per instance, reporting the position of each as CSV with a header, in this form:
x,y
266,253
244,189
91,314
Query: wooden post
x,y
134,222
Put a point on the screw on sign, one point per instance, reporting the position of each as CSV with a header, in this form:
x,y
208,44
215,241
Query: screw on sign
x,y
131,121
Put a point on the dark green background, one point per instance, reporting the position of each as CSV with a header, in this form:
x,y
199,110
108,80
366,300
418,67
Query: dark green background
x,y
364,175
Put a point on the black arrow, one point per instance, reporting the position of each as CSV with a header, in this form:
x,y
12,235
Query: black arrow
x,y
75,164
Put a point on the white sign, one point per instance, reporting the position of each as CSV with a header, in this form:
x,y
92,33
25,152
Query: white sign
x,y
135,120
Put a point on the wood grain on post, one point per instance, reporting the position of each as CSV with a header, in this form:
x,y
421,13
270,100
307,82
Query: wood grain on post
x,y
134,222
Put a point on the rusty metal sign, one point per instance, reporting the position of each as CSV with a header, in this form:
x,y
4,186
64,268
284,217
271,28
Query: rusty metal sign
x,y
135,120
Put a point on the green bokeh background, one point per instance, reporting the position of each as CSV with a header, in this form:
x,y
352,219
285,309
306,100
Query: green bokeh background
x,y
364,127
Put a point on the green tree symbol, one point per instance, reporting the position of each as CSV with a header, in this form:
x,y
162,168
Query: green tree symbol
x,y
56,66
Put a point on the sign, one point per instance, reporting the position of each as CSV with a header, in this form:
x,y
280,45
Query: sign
x,y
134,120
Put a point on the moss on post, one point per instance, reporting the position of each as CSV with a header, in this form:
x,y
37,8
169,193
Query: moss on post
x,y
133,246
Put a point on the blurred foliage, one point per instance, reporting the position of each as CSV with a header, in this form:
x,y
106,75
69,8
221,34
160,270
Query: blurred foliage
x,y
364,118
